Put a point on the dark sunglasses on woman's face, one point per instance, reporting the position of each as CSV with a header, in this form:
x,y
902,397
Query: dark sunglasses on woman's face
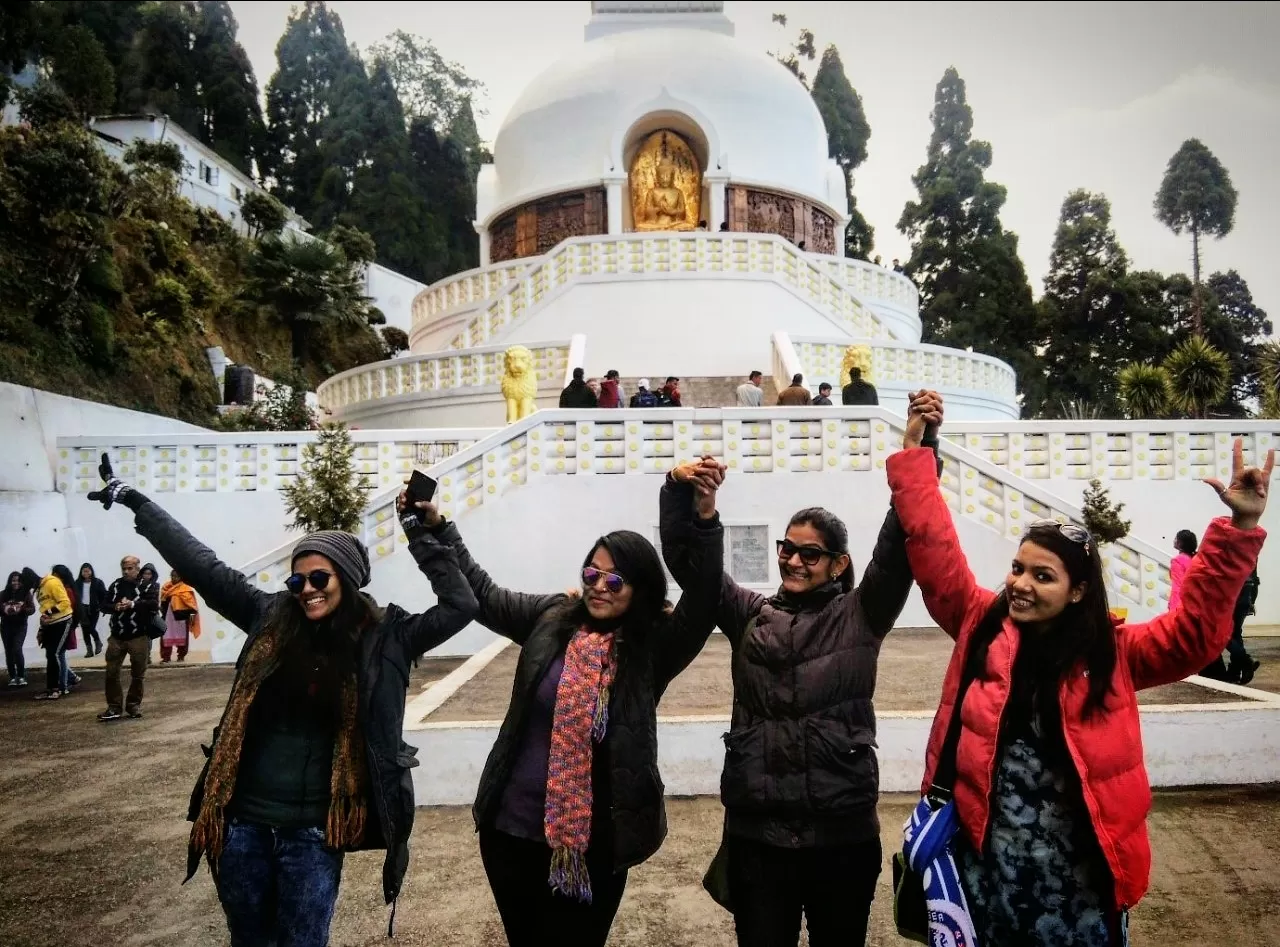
x,y
318,578
809,555
612,581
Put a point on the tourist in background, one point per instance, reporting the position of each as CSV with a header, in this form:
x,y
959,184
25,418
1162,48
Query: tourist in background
x,y
611,390
577,394
1050,786
181,615
17,605
1243,665
897,267
858,391
795,394
644,398
91,595
824,395
57,611
750,394
308,761
1184,544
669,396
131,612
594,385
800,782
570,797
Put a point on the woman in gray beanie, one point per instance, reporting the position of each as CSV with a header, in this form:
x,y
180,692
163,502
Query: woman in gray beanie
x,y
307,762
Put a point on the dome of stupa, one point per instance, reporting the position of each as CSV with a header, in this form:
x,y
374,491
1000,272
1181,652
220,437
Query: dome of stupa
x,y
660,65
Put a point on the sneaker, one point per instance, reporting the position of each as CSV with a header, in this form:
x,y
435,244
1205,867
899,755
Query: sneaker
x,y
134,714
22,682
1247,672
109,715
13,682
49,695
67,692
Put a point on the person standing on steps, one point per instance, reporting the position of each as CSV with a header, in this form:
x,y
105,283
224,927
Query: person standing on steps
x,y
308,761
800,783
578,394
17,605
610,390
57,612
1049,782
570,797
91,595
181,615
750,394
824,395
131,613
1184,544
796,394
858,391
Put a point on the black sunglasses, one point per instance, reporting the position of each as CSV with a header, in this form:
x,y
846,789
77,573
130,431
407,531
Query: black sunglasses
x,y
809,555
318,578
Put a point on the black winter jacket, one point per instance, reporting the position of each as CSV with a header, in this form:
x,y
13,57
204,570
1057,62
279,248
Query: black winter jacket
x,y
800,767
136,620
543,624
386,651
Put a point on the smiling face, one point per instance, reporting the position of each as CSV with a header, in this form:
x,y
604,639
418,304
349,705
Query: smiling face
x,y
318,603
86,573
1038,585
15,581
129,567
602,604
797,576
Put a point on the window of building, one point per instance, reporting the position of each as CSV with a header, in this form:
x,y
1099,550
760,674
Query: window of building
x,y
208,174
237,194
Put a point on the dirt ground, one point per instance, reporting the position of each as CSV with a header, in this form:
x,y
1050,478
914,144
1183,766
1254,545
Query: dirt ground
x,y
911,666
92,846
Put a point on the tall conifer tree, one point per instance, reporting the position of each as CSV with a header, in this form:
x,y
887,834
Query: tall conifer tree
x,y
847,136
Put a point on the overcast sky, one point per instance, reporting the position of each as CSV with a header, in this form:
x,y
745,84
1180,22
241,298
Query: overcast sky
x,y
1094,95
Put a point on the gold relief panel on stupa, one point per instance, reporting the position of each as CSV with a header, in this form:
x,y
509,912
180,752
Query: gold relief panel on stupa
x,y
665,183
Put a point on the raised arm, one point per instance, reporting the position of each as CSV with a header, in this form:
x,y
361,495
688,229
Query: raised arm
x,y
1184,640
455,602
225,589
886,581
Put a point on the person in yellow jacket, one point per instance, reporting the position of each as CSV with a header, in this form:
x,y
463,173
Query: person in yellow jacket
x,y
57,609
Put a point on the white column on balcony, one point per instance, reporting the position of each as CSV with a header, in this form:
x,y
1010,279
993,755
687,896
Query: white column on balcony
x,y
717,185
484,242
613,200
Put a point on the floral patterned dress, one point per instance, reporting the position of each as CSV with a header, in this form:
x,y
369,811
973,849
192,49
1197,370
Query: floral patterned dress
x,y
1043,879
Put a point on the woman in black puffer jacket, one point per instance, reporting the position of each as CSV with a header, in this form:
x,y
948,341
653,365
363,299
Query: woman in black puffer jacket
x,y
800,781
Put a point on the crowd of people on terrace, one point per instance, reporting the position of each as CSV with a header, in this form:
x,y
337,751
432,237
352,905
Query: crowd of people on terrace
x,y
1031,827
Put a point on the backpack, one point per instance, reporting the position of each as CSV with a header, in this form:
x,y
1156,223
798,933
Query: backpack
x,y
644,399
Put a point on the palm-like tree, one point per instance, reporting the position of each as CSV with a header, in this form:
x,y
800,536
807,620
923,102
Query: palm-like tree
x,y
1143,390
1199,376
308,283
1269,378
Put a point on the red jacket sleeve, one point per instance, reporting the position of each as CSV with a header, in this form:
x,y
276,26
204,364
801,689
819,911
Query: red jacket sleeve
x,y
1184,640
952,595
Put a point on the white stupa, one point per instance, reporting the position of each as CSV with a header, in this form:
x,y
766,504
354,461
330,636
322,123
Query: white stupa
x,y
661,203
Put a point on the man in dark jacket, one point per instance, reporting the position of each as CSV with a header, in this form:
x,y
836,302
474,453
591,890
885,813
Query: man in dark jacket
x,y
824,395
577,394
131,605
859,391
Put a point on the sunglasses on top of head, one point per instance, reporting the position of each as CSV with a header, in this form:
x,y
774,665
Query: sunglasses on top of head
x,y
318,578
1076,534
612,581
809,555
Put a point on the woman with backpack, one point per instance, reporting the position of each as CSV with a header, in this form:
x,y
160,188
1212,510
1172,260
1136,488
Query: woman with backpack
x,y
570,798
308,761
1049,783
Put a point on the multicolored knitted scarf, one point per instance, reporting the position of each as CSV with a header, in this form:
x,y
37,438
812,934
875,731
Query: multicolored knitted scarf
x,y
348,784
581,717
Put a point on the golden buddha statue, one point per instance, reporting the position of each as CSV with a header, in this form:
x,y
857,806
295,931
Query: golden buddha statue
x,y
666,184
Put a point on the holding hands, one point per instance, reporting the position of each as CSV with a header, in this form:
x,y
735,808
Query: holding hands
x,y
924,410
706,475
1246,495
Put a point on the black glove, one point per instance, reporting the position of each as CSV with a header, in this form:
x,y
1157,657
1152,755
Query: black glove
x,y
115,490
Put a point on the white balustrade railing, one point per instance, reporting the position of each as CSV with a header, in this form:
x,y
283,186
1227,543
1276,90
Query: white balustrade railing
x,y
873,282
784,441
436,372
690,255
915,364
1115,450
233,463
467,289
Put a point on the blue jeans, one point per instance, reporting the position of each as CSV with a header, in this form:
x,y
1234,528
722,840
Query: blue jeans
x,y
278,887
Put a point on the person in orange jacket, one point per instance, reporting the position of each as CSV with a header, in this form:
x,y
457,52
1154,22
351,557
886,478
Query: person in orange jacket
x,y
1050,785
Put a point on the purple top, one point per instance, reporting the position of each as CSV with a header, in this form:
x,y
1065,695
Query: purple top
x,y
524,801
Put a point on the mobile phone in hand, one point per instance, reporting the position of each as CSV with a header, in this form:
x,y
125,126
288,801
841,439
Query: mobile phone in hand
x,y
420,490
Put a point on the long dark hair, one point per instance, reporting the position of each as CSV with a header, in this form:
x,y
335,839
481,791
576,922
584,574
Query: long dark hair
x,y
1185,541
835,536
637,561
67,580
1083,633
10,594
93,575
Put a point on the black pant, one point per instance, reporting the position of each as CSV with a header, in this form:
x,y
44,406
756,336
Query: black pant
x,y
15,636
532,914
55,642
88,621
772,887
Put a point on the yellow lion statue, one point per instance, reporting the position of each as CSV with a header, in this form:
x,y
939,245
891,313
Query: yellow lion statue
x,y
519,383
856,356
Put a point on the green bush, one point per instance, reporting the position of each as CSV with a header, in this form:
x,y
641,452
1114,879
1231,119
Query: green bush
x,y
169,300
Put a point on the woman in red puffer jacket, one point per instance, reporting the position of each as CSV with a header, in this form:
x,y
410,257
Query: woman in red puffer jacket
x,y
1050,784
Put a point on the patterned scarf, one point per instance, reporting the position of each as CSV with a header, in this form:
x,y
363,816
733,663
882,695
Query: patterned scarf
x,y
581,717
348,784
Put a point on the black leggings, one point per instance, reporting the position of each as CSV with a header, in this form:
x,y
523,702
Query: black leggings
x,y
534,916
831,887
14,638
55,642
89,625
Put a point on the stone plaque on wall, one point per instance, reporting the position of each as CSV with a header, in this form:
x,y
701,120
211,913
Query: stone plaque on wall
x,y
749,554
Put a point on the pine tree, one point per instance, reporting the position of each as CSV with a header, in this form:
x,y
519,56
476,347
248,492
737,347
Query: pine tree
x,y
1101,516
1236,326
328,493
450,199
464,134
158,76
231,116
429,86
973,286
847,136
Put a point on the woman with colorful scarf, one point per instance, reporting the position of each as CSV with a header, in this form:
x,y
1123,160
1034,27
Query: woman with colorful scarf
x,y
570,798
307,762
181,617
1049,783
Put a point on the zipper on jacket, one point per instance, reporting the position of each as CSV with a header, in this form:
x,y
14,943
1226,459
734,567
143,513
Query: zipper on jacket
x,y
999,752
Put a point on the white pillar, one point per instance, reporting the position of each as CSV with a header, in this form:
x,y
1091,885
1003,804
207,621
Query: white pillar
x,y
840,225
717,186
613,201
484,243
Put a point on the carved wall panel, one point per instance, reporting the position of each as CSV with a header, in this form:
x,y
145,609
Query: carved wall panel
x,y
755,211
535,228
823,230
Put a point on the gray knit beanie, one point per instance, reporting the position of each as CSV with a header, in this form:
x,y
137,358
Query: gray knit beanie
x,y
342,549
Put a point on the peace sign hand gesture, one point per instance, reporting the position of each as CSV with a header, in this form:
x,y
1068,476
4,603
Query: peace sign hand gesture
x,y
1246,496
